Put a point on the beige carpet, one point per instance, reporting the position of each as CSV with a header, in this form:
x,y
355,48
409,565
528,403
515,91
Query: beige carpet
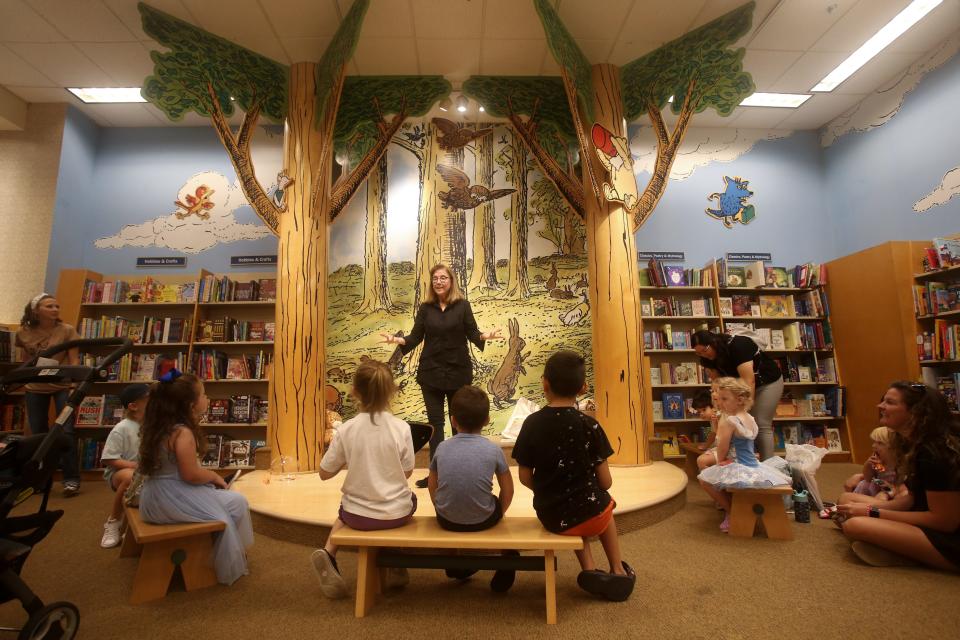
x,y
693,582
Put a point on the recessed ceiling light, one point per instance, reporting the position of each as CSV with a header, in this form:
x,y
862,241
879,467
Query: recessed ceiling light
x,y
481,109
107,94
787,100
890,32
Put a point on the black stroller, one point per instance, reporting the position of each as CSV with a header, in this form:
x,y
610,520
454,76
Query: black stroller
x,y
26,469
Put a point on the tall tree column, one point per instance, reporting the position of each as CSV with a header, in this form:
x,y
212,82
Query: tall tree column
x,y
614,291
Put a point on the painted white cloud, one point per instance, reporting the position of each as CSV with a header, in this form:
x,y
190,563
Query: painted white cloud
x,y
880,106
949,187
700,147
192,234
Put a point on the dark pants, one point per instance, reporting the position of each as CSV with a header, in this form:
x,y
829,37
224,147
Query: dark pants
x,y
433,399
38,416
494,518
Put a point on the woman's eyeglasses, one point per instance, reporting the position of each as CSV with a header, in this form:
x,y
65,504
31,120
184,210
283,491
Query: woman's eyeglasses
x,y
440,278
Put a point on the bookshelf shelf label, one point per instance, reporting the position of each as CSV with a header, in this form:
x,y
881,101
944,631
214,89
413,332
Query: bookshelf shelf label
x,y
162,261
661,255
748,257
243,261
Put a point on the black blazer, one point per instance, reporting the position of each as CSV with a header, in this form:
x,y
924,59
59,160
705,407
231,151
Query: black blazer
x,y
445,361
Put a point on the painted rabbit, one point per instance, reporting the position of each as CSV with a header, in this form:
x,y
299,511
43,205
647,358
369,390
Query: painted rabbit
x,y
504,382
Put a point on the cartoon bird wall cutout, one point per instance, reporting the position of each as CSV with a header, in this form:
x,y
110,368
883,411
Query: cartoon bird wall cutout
x,y
614,154
198,204
462,196
455,137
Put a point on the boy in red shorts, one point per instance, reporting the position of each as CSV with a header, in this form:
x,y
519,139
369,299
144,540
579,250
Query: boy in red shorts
x,y
562,454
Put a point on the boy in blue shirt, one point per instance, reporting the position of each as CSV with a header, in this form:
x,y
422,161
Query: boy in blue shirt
x,y
120,455
461,476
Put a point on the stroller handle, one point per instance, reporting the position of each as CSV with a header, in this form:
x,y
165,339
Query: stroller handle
x,y
124,343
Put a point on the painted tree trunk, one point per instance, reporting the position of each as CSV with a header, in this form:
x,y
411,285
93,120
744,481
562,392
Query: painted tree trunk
x,y
614,290
573,240
296,402
456,257
432,219
517,285
483,275
376,294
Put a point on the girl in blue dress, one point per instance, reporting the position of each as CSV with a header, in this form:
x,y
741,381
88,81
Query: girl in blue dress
x,y
736,429
176,488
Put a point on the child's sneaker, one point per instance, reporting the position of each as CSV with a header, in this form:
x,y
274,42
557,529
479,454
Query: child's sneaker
x,y
331,582
503,579
71,488
725,525
396,578
111,534
609,586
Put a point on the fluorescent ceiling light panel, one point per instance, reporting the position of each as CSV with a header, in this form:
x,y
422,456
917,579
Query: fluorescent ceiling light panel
x,y
890,32
107,94
788,100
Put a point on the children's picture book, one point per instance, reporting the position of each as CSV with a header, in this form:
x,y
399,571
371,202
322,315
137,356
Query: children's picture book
x,y
655,376
676,276
211,454
726,307
672,405
804,374
657,410
671,446
833,439
685,373
646,310
776,340
698,307
112,410
736,276
777,277
774,307
791,433
89,412
755,310
754,275
818,404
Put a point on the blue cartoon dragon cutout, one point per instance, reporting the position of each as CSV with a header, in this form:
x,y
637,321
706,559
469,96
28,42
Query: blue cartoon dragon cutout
x,y
732,203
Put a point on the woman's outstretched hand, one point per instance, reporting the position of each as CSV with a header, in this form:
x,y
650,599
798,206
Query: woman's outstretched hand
x,y
389,338
491,335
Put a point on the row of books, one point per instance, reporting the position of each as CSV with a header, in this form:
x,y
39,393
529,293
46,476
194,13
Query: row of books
x,y
8,345
136,367
242,408
754,275
12,416
679,373
223,289
221,451
936,297
941,343
674,405
797,433
210,364
819,370
666,338
948,385
792,336
228,329
149,330
808,304
942,254
89,451
147,290
673,306
96,411
658,274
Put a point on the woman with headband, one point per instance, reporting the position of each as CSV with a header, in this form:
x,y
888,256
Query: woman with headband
x,y
42,328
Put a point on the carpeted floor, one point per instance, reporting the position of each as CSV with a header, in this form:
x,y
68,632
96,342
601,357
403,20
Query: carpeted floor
x,y
693,582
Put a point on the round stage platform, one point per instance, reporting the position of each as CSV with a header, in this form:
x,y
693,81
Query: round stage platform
x,y
302,510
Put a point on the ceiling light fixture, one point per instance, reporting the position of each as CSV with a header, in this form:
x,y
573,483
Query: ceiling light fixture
x,y
890,32
92,95
445,104
481,109
462,103
786,100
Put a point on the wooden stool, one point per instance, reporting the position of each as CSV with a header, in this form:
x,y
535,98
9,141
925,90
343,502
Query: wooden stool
x,y
164,547
765,504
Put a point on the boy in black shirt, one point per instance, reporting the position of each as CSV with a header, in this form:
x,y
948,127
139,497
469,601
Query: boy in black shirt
x,y
562,455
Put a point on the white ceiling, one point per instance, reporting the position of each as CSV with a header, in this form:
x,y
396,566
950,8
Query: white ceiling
x,y
46,45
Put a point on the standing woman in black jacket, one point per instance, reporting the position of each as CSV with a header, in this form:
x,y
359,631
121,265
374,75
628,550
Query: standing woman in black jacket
x,y
444,323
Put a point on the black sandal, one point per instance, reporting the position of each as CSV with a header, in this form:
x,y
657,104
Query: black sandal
x,y
610,586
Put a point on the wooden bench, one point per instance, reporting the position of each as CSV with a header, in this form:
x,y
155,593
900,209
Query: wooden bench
x,y
765,504
692,451
521,534
164,547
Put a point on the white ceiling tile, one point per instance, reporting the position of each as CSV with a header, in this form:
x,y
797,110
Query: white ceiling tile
x,y
456,59
659,21
796,24
305,49
44,94
710,118
549,66
125,115
299,19
512,57
807,71
127,63
596,51
386,56
129,15
511,20
63,63
767,67
935,26
83,20
819,110
858,25
20,23
447,19
626,51
391,19
589,19
14,70
760,117
876,72
716,8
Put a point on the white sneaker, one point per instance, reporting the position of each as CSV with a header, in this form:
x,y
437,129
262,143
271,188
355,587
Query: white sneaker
x,y
111,534
331,582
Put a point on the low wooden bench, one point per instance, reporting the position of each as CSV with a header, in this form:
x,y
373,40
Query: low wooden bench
x,y
164,547
521,534
765,504
692,451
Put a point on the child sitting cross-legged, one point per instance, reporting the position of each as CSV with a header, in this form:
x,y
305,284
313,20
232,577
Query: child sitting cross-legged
x,y
120,455
461,477
562,455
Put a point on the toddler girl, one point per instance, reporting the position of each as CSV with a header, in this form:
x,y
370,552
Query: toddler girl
x,y
175,487
878,483
377,449
736,428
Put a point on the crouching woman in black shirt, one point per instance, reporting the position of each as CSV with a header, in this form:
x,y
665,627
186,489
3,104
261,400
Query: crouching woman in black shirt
x,y
444,323
927,443
740,357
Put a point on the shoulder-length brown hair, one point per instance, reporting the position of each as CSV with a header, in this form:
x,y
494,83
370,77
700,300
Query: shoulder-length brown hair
x,y
454,294
170,405
934,429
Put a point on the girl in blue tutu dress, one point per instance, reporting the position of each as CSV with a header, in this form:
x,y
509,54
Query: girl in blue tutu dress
x,y
737,429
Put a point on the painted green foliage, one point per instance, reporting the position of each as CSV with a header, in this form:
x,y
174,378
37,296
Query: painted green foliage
x,y
338,53
567,53
199,59
538,96
368,99
700,56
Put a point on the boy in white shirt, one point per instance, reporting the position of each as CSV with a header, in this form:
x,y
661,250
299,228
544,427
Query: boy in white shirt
x,y
120,455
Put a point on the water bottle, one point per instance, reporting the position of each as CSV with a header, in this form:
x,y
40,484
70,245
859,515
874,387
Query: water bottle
x,y
801,506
